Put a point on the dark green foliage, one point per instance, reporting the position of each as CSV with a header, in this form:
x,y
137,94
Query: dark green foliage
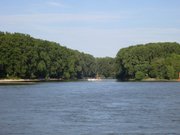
x,y
139,75
106,67
154,60
170,72
22,56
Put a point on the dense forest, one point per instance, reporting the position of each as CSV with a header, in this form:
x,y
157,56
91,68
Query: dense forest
x,y
22,56
106,67
153,60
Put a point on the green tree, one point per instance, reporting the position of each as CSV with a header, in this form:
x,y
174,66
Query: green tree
x,y
170,72
41,69
139,75
106,67
23,56
152,59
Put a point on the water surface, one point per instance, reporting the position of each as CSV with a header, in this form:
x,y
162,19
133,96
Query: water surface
x,y
90,108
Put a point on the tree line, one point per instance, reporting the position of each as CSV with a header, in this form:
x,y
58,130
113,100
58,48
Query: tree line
x,y
153,60
22,56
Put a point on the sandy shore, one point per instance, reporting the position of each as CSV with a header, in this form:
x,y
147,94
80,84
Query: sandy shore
x,y
25,81
18,81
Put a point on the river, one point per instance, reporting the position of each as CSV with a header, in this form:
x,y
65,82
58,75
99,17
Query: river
x,y
107,107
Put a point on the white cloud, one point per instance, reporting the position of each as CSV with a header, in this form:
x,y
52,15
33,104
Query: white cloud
x,y
57,18
56,4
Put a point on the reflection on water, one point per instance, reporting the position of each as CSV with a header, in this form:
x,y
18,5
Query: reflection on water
x,y
88,108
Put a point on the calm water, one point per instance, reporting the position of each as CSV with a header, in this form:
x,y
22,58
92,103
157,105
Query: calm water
x,y
90,108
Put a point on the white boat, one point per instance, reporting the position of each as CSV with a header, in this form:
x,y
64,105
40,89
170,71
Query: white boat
x,y
93,79
97,78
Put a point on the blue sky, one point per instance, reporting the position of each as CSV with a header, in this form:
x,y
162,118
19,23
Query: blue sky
x,y
98,27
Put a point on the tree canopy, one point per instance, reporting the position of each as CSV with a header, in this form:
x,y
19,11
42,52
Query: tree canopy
x,y
22,56
106,67
153,60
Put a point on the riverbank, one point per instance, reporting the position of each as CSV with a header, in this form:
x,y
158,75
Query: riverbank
x,y
33,81
154,80
26,81
157,80
160,80
18,81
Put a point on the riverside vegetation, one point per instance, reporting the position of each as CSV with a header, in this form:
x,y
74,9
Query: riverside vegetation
x,y
22,56
153,60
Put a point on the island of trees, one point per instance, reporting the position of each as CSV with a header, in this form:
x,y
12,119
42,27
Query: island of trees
x,y
22,56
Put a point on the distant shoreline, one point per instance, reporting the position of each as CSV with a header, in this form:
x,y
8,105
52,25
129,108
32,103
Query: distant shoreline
x,y
160,80
33,81
26,81
154,80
